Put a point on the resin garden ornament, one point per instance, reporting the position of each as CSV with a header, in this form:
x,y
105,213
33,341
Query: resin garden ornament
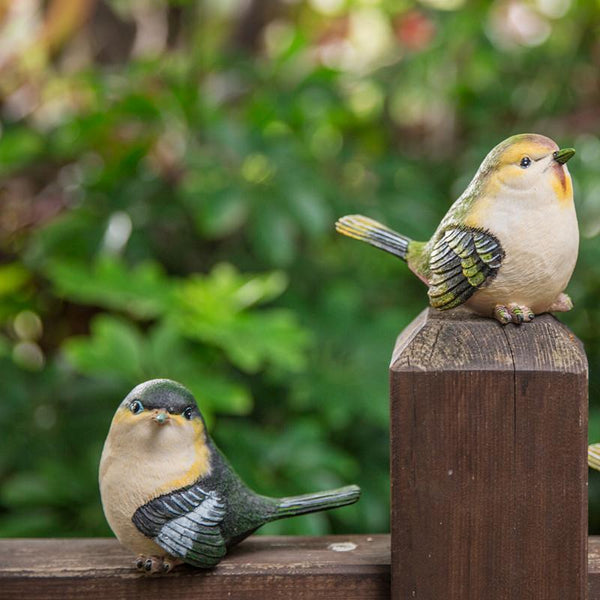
x,y
170,496
508,246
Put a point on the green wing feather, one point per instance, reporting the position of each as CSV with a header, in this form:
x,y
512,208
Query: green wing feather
x,y
463,260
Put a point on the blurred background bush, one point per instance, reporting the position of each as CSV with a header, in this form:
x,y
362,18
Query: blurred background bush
x,y
171,172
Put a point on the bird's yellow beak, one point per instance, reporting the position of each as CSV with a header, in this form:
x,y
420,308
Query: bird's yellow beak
x,y
563,155
161,417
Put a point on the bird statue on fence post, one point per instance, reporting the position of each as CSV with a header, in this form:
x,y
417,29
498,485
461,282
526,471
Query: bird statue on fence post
x,y
508,246
168,493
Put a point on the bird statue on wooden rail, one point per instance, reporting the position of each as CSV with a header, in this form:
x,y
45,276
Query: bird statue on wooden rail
x,y
168,493
508,246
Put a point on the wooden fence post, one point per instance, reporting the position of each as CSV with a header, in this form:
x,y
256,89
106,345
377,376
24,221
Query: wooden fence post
x,y
488,460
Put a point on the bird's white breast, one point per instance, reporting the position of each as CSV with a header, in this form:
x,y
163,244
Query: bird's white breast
x,y
540,238
139,463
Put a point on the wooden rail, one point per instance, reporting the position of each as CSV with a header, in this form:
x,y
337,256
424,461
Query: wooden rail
x,y
261,568
488,480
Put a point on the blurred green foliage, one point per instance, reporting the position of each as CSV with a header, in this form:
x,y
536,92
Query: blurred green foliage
x,y
171,173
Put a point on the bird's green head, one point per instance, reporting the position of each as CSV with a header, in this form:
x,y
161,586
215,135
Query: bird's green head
x,y
162,396
160,404
163,399
524,163
161,419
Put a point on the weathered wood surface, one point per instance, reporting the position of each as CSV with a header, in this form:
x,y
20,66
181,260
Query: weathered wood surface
x,y
265,568
488,460
71,568
594,567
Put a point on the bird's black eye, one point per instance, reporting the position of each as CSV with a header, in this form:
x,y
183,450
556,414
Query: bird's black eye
x,y
525,162
188,412
136,407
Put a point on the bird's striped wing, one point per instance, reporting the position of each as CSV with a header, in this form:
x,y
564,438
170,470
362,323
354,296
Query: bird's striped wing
x,y
185,523
462,260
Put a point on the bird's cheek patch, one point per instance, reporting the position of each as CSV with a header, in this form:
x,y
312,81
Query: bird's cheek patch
x,y
200,464
180,421
124,416
198,428
126,421
561,183
507,177
512,176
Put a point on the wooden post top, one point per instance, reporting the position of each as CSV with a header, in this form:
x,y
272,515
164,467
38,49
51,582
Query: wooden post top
x,y
459,340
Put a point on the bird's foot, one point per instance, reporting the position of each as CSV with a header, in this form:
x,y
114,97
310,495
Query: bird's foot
x,y
513,313
502,314
562,304
520,314
156,565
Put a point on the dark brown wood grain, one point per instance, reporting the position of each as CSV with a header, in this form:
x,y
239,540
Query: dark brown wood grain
x,y
100,568
488,460
270,568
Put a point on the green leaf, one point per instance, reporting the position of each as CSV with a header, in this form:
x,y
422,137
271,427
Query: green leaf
x,y
115,347
143,291
252,340
224,292
215,310
273,337
13,276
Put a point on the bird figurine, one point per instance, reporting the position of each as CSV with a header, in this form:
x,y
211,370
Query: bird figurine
x,y
594,456
508,246
168,493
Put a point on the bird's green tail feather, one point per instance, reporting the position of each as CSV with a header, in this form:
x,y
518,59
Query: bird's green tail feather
x,y
374,233
594,456
307,503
